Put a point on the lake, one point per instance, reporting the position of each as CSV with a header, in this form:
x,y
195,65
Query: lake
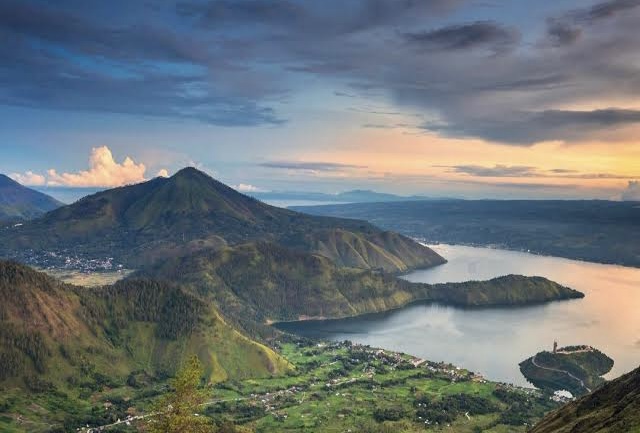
x,y
493,341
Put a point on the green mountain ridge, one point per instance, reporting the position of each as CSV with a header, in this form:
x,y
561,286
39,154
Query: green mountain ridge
x,y
613,408
262,282
74,337
165,217
17,202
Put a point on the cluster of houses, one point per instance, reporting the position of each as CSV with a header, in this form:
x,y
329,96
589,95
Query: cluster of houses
x,y
61,260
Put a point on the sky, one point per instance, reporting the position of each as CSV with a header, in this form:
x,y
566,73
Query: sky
x,y
462,98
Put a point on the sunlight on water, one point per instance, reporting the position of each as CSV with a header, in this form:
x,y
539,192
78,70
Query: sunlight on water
x,y
493,341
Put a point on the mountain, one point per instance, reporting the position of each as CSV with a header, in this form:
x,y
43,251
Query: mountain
x,y
69,338
259,283
613,408
165,217
18,202
354,196
591,230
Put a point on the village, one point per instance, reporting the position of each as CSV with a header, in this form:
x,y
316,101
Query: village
x,y
326,374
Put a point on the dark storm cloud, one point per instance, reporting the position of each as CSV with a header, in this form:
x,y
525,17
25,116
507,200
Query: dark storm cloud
x,y
311,16
527,128
563,33
605,10
65,59
465,36
568,28
235,63
310,166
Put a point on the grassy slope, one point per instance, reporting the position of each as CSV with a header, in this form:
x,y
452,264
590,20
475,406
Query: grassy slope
x,y
165,217
58,332
613,408
18,202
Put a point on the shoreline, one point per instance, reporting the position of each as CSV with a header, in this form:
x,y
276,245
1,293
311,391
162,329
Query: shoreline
x,y
422,241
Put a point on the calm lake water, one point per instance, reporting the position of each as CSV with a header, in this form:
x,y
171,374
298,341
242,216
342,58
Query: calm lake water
x,y
493,341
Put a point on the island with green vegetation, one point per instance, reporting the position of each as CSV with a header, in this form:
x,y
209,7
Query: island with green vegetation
x,y
578,369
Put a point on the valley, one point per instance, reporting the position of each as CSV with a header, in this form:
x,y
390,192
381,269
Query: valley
x,y
392,391
92,343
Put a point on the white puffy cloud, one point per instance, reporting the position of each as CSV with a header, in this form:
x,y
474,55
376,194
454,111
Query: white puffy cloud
x,y
245,187
103,171
163,173
28,178
632,192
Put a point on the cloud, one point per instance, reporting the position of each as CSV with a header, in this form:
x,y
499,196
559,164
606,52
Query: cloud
x,y
497,171
526,128
245,187
68,58
103,171
487,34
238,62
604,10
500,170
632,192
310,166
28,178
569,27
163,173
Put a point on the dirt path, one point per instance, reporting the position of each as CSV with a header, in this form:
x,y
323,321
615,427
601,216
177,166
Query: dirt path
x,y
533,360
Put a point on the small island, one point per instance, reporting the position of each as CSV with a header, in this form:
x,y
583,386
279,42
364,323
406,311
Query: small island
x,y
578,369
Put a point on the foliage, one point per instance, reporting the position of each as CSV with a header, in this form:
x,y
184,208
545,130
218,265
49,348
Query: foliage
x,y
178,410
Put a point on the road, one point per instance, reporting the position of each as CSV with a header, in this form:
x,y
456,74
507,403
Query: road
x,y
139,417
533,360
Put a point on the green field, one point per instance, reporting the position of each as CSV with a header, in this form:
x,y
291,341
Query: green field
x,y
334,387
88,279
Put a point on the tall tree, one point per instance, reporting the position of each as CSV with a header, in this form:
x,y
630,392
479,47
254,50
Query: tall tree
x,y
178,410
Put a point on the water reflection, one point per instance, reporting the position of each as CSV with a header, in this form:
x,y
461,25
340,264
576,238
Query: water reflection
x,y
494,341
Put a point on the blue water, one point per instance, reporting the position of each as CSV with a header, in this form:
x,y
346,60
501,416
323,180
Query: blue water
x,y
493,341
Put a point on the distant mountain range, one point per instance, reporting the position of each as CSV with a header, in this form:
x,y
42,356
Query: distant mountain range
x,y
354,196
18,202
591,230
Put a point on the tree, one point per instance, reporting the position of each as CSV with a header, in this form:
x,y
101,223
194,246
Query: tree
x,y
178,410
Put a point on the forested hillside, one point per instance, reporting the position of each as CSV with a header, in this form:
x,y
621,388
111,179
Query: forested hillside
x,y
65,334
